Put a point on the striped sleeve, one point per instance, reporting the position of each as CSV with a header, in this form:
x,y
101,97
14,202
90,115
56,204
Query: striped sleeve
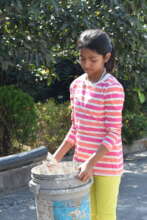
x,y
71,135
113,105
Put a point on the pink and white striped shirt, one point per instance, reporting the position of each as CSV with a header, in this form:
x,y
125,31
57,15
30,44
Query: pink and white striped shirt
x,y
97,119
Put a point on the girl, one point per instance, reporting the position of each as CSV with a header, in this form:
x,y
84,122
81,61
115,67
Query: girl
x,y
97,101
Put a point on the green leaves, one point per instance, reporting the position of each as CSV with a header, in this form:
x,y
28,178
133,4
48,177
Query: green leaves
x,y
53,123
57,24
141,95
18,117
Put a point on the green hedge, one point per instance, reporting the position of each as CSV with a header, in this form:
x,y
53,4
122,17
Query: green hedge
x,y
53,124
18,118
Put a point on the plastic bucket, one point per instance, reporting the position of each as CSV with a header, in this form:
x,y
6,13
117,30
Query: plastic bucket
x,y
60,197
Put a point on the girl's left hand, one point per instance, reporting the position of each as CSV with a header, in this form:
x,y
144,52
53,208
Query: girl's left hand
x,y
85,172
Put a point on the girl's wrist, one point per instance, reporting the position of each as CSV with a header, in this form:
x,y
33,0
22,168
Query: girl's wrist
x,y
90,162
95,157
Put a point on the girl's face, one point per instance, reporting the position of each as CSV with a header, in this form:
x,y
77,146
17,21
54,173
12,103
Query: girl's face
x,y
92,62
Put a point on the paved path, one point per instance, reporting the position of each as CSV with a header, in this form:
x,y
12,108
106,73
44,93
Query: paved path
x,y
132,204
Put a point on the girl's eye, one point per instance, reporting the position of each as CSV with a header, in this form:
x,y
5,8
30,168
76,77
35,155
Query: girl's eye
x,y
81,59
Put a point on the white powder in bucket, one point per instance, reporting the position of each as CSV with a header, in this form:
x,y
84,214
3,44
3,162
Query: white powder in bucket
x,y
52,167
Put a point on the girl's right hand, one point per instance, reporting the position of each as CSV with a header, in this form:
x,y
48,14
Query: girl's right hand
x,y
50,159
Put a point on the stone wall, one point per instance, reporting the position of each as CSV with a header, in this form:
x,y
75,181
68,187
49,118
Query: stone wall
x,y
15,170
137,146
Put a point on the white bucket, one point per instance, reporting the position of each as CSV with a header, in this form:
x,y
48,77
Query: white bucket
x,y
60,196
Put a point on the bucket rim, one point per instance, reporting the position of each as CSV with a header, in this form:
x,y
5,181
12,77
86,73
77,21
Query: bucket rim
x,y
76,189
47,175
53,176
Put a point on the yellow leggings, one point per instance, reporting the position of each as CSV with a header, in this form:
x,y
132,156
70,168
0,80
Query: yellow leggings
x,y
104,194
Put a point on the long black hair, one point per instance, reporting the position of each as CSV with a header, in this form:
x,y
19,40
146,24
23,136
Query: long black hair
x,y
98,41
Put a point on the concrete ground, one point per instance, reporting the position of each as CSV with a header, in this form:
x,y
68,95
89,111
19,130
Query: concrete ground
x,y
132,204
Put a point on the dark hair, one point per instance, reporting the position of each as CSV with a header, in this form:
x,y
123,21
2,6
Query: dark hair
x,y
99,41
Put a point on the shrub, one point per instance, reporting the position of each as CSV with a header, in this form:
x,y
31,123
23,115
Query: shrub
x,y
17,118
53,123
135,127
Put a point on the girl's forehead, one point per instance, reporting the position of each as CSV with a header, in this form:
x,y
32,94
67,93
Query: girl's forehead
x,y
85,52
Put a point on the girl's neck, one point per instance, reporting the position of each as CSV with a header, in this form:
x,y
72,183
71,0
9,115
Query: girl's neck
x,y
96,78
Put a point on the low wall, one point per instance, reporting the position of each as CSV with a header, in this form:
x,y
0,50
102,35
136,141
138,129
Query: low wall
x,y
137,146
15,170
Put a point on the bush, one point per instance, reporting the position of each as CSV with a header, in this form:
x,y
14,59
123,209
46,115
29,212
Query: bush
x,y
135,127
53,123
18,118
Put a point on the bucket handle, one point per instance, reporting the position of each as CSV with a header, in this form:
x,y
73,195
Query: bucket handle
x,y
35,188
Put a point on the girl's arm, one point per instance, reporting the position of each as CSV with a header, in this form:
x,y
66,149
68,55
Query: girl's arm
x,y
62,150
86,169
95,157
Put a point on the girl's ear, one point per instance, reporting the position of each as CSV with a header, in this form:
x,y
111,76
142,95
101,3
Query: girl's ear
x,y
107,57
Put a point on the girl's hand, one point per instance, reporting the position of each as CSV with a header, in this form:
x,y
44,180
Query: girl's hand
x,y
51,160
85,172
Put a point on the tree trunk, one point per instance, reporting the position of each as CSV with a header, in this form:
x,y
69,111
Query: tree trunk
x,y
6,141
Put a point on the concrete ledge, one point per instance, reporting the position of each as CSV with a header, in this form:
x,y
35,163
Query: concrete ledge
x,y
13,179
22,159
15,170
137,146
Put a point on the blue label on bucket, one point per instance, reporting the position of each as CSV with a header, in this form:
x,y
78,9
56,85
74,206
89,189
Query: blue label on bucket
x,y
72,209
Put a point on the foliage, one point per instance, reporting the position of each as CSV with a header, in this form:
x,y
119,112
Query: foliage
x,y
37,35
53,123
139,124
66,71
17,118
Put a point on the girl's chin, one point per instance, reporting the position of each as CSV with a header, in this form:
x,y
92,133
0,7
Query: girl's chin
x,y
89,73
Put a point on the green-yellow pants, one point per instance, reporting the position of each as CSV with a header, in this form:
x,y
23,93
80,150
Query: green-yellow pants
x,y
104,195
